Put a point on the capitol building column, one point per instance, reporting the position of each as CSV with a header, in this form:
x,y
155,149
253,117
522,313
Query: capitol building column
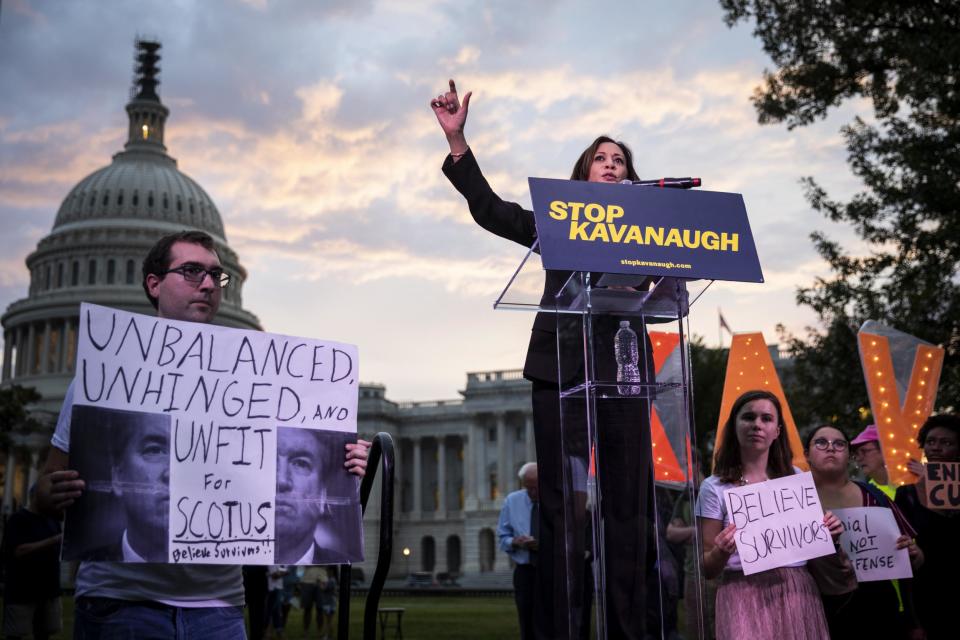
x,y
470,502
417,478
529,442
502,469
45,349
8,475
7,353
441,511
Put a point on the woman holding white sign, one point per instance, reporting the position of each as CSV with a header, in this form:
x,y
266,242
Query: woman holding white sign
x,y
868,609
781,603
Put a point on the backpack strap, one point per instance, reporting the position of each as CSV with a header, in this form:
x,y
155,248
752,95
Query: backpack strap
x,y
878,495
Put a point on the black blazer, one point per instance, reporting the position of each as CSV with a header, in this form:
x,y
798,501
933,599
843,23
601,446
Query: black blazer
x,y
511,221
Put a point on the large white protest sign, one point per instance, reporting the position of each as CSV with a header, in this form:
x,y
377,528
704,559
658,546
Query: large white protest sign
x,y
869,538
779,522
204,444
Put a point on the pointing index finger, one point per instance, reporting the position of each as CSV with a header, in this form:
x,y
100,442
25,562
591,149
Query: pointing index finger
x,y
453,86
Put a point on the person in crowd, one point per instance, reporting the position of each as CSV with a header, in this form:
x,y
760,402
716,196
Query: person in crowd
x,y
682,530
291,586
625,468
870,609
663,613
328,603
183,279
868,455
318,590
938,531
275,575
515,531
781,603
31,570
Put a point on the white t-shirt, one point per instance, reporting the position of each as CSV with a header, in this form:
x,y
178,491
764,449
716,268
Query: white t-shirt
x,y
710,504
275,574
176,585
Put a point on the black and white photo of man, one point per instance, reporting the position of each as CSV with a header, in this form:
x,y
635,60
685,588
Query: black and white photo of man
x,y
129,496
318,505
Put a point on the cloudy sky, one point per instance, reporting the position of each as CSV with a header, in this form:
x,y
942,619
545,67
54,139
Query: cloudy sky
x,y
308,123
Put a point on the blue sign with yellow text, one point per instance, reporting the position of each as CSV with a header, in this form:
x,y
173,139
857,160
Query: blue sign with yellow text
x,y
622,228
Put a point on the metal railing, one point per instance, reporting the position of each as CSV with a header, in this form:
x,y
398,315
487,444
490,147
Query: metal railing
x,y
381,449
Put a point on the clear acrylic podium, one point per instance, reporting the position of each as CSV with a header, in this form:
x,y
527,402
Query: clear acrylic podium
x,y
632,548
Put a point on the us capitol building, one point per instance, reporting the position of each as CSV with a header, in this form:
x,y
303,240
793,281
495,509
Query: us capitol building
x,y
456,459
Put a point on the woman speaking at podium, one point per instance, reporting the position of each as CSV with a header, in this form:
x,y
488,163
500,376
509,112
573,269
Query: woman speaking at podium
x,y
624,448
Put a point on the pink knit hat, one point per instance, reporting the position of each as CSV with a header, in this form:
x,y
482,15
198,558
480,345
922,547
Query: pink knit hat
x,y
870,434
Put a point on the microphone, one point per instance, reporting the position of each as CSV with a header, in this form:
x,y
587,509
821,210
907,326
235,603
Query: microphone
x,y
673,183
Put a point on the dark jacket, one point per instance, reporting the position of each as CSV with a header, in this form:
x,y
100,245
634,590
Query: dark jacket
x,y
511,221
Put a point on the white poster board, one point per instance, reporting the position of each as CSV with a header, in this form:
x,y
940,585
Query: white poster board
x,y
779,522
205,444
869,538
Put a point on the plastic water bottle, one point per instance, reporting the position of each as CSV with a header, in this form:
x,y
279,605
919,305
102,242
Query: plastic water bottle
x,y
625,346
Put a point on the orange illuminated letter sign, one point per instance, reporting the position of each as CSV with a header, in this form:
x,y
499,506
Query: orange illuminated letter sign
x,y
898,422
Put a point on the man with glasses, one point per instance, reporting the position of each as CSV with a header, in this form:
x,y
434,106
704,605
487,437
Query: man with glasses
x,y
183,279
869,457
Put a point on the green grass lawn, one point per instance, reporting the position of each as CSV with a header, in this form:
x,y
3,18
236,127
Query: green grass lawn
x,y
425,618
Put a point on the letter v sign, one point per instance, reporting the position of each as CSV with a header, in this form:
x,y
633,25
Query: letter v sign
x,y
749,368
899,420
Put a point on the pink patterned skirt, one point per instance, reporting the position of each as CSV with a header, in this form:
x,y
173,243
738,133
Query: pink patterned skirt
x,y
781,604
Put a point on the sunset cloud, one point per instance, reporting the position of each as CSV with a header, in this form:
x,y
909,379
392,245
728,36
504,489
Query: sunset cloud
x,y
309,126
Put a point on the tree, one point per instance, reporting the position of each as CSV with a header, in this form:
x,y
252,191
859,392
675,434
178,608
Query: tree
x,y
709,367
14,415
904,58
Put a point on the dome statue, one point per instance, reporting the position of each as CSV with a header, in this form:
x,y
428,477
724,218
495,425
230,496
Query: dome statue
x,y
103,229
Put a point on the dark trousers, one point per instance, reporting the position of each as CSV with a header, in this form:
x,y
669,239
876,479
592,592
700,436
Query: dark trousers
x,y
98,618
624,469
524,585
550,594
255,594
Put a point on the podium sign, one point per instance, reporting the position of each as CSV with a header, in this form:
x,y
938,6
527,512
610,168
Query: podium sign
x,y
618,228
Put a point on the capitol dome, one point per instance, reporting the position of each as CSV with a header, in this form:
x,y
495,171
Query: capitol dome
x,y
144,186
103,229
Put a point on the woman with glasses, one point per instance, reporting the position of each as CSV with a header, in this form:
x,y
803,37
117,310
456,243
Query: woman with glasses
x,y
868,609
938,531
780,603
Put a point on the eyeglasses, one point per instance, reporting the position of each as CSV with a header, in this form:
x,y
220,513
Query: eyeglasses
x,y
823,444
194,274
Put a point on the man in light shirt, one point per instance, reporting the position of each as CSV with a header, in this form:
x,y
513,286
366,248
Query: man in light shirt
x,y
183,279
517,533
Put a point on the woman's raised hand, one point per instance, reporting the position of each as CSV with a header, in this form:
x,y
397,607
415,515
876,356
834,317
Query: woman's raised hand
x,y
452,116
916,468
